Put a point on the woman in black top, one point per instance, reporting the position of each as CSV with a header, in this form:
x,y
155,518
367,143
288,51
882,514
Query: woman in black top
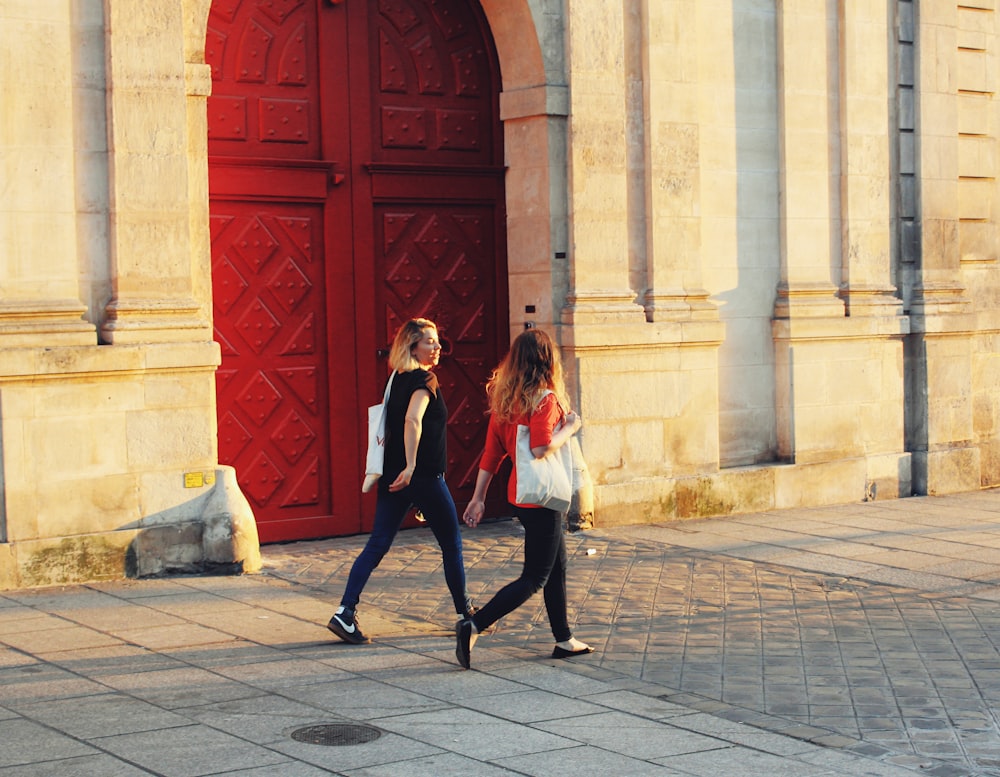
x,y
413,473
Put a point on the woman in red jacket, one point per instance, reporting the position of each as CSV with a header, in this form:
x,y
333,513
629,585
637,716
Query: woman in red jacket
x,y
526,388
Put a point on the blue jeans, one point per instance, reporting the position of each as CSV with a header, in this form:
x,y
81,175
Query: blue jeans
x,y
431,496
544,567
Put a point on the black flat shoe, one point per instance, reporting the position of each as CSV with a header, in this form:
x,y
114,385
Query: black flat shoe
x,y
558,652
463,643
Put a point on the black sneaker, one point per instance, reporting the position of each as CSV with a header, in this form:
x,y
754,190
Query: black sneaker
x,y
344,624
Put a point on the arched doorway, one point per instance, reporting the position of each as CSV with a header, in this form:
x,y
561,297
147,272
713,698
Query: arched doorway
x,y
356,179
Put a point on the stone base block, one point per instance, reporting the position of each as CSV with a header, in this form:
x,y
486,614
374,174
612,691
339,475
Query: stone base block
x,y
951,471
743,490
645,500
222,538
8,567
989,460
752,489
889,476
826,483
77,559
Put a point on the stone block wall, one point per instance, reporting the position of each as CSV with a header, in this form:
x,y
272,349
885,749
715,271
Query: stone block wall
x,y
765,235
108,452
110,468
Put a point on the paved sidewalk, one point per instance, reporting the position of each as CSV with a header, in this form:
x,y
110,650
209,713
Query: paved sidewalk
x,y
833,642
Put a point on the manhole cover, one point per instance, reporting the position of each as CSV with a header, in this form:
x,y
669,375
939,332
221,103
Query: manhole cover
x,y
336,734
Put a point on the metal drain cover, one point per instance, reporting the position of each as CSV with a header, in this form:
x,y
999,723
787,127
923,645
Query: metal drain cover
x,y
336,734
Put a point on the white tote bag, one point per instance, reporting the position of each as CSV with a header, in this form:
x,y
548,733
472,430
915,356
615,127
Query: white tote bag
x,y
547,481
375,459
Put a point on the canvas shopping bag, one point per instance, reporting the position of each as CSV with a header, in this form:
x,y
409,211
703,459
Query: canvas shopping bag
x,y
547,481
375,458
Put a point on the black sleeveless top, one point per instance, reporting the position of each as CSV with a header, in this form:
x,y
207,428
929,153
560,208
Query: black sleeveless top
x,y
432,454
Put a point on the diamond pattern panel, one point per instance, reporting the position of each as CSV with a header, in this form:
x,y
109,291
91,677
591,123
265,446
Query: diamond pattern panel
x,y
270,309
438,263
434,240
261,479
463,279
255,244
289,285
258,325
305,489
233,437
302,381
434,262
303,340
293,436
259,399
228,283
404,278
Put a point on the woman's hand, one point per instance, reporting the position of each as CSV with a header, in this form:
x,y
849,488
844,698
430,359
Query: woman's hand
x,y
474,513
477,505
402,480
571,423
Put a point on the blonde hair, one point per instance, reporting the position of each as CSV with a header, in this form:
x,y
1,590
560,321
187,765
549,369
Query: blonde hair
x,y
401,356
531,366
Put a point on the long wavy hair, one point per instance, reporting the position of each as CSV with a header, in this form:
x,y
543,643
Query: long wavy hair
x,y
531,366
401,356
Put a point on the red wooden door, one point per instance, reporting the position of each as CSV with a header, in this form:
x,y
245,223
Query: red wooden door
x,y
355,181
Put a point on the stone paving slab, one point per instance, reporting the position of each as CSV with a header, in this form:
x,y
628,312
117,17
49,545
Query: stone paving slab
x,y
771,616
757,645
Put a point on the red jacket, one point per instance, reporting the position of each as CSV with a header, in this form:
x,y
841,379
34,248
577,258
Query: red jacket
x,y
501,439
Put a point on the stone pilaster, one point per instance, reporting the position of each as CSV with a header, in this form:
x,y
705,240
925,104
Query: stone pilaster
x,y
940,397
40,301
535,137
672,170
596,154
838,328
639,338
150,214
810,225
810,212
866,184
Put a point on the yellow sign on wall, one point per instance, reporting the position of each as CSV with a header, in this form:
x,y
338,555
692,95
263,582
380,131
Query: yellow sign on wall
x,y
198,479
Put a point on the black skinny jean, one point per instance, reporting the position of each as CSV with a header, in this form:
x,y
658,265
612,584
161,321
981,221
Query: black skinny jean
x,y
544,567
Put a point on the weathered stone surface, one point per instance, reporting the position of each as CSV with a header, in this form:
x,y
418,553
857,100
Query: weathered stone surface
x,y
769,257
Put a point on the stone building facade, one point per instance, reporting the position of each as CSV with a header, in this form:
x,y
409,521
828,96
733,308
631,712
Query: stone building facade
x,y
763,231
